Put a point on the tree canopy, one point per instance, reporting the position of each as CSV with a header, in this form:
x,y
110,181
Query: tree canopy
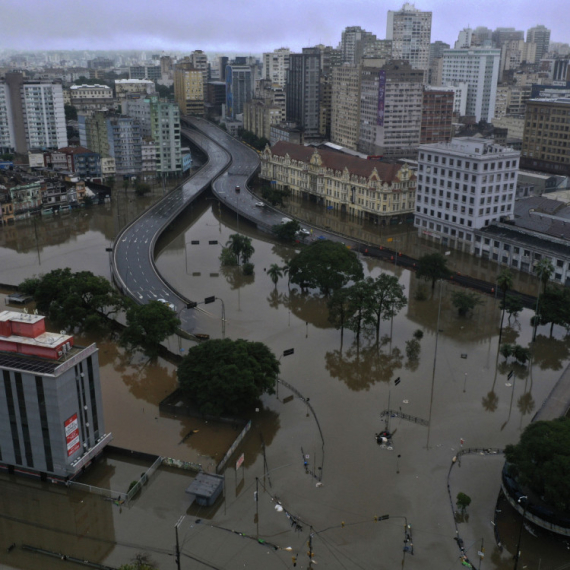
x,y
74,300
433,266
147,326
241,247
225,376
287,231
325,265
541,461
464,301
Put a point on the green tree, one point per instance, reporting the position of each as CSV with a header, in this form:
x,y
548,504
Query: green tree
x,y
463,501
433,266
228,258
554,306
512,305
141,561
142,188
507,350
521,354
288,231
74,300
384,300
504,282
326,265
227,376
340,309
241,246
70,112
274,272
544,270
540,461
464,301
147,326
358,299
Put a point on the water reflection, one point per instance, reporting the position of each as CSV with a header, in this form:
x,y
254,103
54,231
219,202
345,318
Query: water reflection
x,y
309,307
361,367
490,401
550,353
235,277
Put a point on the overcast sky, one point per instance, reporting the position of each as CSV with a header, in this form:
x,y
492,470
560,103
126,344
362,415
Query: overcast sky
x,y
246,26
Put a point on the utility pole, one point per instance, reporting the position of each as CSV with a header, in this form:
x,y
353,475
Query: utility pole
x,y
177,543
310,553
257,506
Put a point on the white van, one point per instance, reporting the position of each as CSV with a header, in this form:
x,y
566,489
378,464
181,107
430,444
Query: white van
x,y
286,220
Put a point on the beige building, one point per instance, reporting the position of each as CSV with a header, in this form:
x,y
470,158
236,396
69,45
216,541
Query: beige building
x,y
267,107
189,88
275,65
91,97
126,87
367,189
345,108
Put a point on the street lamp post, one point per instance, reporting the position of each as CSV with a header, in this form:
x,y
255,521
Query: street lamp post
x,y
177,543
517,554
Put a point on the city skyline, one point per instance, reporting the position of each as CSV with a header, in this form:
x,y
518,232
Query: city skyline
x,y
223,26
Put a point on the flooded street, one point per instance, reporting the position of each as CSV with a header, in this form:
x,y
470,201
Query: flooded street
x,y
462,389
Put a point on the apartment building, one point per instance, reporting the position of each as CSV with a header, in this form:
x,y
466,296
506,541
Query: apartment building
x,y
463,186
275,66
165,131
126,87
85,97
479,68
152,72
31,114
51,409
539,35
546,137
410,32
376,191
345,106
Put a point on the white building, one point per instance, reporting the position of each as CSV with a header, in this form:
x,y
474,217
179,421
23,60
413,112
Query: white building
x,y
410,32
126,87
479,68
91,97
464,186
275,65
460,98
464,39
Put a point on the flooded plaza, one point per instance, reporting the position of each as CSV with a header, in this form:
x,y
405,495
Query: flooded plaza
x,y
326,469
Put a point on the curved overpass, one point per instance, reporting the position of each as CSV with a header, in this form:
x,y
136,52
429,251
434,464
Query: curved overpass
x,y
133,264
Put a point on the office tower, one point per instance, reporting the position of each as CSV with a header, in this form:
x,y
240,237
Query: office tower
x,y
539,35
437,114
189,88
51,409
544,144
463,186
239,88
482,37
502,35
303,91
410,32
479,68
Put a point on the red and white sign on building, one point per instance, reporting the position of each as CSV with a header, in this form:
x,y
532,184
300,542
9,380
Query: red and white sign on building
x,y
72,435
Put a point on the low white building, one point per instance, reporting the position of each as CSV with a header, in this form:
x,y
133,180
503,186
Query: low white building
x,y
125,87
463,186
108,168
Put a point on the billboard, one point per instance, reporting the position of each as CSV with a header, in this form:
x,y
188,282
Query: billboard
x,y
381,97
72,435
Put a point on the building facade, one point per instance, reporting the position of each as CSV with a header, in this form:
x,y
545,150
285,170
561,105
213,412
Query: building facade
x,y
32,114
125,87
239,89
463,186
437,115
479,68
165,131
410,32
51,409
189,88
546,144
367,189
85,97
303,91
275,66
345,106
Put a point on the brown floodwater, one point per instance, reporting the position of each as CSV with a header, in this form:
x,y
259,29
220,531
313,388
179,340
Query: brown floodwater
x,y
348,385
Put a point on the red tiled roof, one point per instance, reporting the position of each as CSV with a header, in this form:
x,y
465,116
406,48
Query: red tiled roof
x,y
338,161
74,150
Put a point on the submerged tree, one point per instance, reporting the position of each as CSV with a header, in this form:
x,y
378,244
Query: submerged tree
x,y
464,301
433,266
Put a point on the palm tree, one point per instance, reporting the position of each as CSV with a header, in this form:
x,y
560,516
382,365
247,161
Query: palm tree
x,y
285,270
241,247
544,270
275,272
504,282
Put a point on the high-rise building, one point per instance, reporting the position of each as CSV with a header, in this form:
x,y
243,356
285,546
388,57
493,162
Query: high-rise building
x,y
479,68
463,186
199,60
51,409
391,97
464,39
303,91
410,32
113,136
32,114
435,65
239,88
502,35
544,144
165,132
482,37
189,88
267,107
539,35
345,106
513,54
357,43
437,115
275,65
